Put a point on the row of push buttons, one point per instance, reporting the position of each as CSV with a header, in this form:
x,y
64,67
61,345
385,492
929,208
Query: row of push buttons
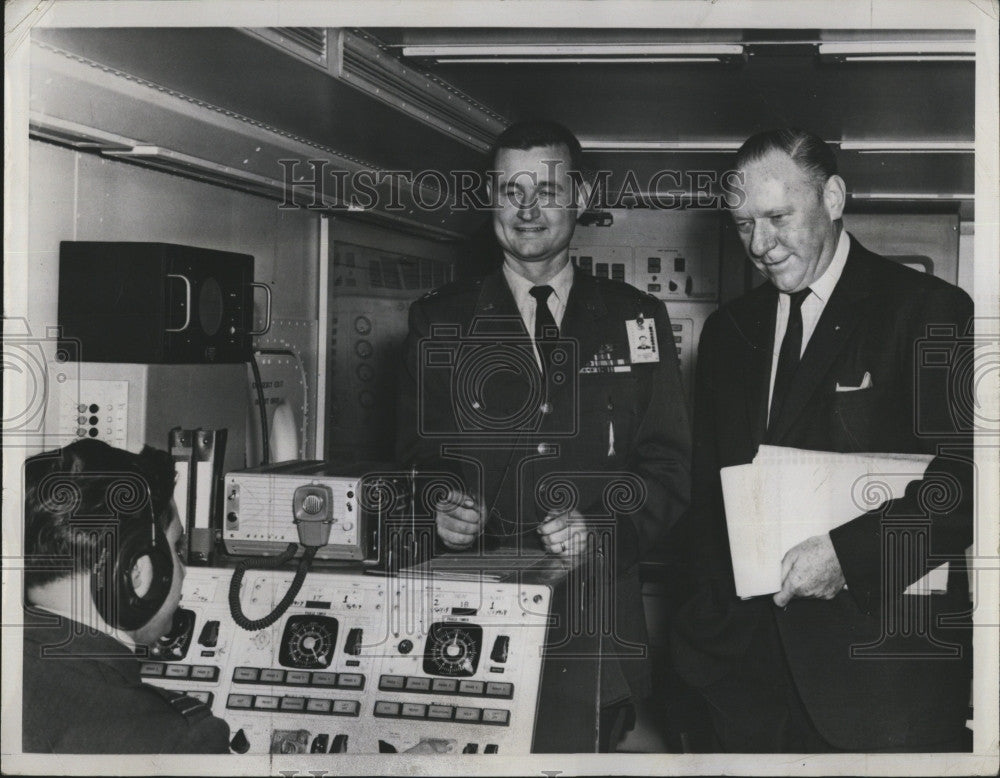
x,y
418,710
293,704
446,686
181,672
298,678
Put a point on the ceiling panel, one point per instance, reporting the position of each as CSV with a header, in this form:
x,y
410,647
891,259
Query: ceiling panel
x,y
233,70
781,80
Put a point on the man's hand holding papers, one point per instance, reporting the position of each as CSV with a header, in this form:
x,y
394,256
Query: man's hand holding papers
x,y
781,508
810,569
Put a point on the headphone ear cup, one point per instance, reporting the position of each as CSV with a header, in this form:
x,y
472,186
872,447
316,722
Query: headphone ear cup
x,y
119,604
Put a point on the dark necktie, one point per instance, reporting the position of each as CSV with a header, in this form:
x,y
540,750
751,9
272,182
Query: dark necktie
x,y
545,325
788,357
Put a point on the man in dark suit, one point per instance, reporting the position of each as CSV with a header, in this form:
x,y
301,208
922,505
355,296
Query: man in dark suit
x,y
530,386
827,355
82,687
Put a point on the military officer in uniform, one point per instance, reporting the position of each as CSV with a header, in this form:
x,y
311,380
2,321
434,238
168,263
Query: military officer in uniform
x,y
532,387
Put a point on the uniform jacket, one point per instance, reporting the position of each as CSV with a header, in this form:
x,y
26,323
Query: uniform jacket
x,y
82,694
864,683
615,445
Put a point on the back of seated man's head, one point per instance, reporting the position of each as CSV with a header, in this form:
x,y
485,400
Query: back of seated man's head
x,y
103,518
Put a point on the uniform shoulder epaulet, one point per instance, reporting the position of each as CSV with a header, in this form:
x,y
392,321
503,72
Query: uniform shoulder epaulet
x,y
453,288
625,290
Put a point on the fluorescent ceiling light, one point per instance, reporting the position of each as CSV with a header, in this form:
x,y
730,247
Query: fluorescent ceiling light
x,y
912,58
612,145
912,196
549,51
908,147
659,145
570,61
900,51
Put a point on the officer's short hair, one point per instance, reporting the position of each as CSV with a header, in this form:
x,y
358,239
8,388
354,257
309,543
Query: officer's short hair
x,y
536,133
69,487
810,152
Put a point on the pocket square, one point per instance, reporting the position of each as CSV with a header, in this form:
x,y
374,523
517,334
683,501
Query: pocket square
x,y
866,383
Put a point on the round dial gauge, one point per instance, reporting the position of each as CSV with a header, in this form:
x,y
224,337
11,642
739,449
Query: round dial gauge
x,y
308,642
453,649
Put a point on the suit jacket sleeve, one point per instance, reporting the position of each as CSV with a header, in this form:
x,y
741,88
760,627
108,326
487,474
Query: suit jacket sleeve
x,y
944,496
411,447
425,417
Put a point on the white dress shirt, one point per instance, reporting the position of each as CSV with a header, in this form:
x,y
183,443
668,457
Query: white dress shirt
x,y
812,307
521,288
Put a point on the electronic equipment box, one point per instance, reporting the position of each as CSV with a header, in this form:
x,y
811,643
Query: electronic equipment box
x,y
261,506
156,302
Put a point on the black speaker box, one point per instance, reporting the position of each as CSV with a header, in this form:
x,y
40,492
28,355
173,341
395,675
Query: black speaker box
x,y
156,303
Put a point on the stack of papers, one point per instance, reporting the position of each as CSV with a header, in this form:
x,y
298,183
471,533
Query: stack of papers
x,y
787,495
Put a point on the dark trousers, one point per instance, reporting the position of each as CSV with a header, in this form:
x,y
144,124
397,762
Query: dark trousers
x,y
756,709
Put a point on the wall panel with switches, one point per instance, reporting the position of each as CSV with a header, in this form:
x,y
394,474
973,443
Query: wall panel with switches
x,y
672,255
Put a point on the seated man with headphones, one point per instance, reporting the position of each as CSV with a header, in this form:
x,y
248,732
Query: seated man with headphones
x,y
103,578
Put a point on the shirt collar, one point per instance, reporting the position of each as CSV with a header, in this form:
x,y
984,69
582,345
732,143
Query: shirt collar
x,y
823,286
520,286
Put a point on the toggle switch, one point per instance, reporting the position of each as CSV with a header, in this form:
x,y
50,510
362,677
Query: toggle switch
x,y
500,647
339,745
209,636
386,748
471,748
353,644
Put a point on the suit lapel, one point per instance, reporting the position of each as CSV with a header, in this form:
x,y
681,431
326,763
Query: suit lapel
x,y
756,327
839,320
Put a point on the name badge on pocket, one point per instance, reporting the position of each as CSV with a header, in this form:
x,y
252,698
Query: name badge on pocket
x,y
642,345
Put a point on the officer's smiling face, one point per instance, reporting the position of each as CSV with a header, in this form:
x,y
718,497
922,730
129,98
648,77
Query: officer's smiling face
x,y
537,205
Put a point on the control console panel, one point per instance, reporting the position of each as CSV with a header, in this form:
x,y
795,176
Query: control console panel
x,y
360,664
